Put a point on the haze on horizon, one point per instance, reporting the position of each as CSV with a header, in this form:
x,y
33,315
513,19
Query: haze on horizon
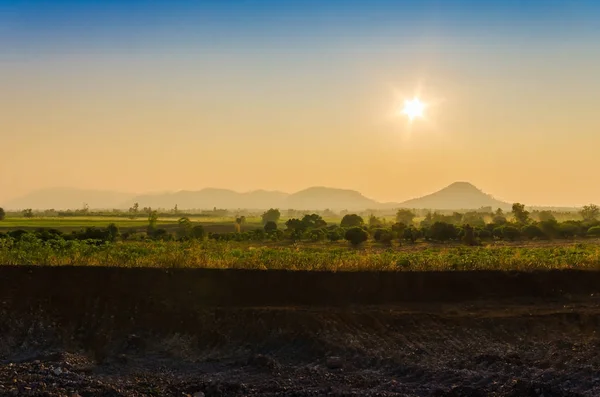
x,y
136,96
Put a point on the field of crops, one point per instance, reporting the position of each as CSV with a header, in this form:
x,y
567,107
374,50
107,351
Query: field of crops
x,y
319,257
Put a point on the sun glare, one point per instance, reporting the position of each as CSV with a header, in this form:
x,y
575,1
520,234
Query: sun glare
x,y
413,108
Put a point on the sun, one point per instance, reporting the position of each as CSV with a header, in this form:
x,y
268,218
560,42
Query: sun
x,y
413,108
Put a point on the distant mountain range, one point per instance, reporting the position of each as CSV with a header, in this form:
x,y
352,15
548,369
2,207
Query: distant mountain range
x,y
459,195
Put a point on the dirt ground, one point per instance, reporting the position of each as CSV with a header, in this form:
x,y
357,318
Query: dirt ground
x,y
73,332
487,348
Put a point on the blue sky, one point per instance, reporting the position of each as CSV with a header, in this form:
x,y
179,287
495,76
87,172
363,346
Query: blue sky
x,y
120,25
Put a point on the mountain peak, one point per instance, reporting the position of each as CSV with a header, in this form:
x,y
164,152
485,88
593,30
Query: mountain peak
x,y
456,196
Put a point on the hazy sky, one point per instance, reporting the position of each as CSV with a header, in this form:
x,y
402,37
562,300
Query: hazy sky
x,y
142,96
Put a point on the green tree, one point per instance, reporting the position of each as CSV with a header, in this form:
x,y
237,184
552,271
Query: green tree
x,y
270,227
356,236
335,234
544,216
185,227
510,233
550,228
272,215
316,235
405,216
411,234
532,232
442,231
384,236
520,213
28,213
352,220
133,211
398,228
198,232
474,219
375,221
590,212
113,232
594,231
239,221
468,235
2,214
152,221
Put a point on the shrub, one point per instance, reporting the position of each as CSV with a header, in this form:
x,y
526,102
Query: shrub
x,y
270,227
483,234
510,233
532,231
411,234
468,235
442,231
335,234
198,232
383,236
356,236
594,231
316,235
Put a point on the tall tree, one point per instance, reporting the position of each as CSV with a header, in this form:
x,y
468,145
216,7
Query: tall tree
x,y
405,216
590,212
272,215
2,214
520,213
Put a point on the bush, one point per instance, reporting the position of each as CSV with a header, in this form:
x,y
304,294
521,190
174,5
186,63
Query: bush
x,y
198,232
316,235
550,228
594,231
532,231
270,227
442,231
568,230
483,234
335,234
411,234
468,236
356,236
383,236
510,233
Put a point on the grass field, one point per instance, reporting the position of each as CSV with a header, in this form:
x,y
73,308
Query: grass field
x,y
76,223
304,256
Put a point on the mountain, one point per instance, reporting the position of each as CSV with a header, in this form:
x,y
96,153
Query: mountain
x,y
313,198
209,198
335,199
457,196
61,198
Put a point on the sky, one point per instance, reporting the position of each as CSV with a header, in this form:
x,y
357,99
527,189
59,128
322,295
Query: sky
x,y
140,96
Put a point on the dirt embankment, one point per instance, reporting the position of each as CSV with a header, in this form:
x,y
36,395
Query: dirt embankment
x,y
133,332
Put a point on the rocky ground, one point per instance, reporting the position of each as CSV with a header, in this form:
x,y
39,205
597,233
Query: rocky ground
x,y
484,348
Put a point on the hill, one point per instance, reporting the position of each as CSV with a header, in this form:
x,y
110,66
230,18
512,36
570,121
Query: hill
x,y
334,199
457,196
61,198
209,198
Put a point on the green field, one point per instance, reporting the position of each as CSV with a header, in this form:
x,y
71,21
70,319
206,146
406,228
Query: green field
x,y
301,256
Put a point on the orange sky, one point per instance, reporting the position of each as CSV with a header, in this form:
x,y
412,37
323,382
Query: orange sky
x,y
516,116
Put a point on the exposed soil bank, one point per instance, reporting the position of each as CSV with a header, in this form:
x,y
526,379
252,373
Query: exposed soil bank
x,y
210,287
136,332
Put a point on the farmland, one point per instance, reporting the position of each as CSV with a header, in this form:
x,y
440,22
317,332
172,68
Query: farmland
x,y
238,306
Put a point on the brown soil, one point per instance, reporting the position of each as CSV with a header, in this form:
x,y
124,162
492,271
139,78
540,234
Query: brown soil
x,y
134,332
